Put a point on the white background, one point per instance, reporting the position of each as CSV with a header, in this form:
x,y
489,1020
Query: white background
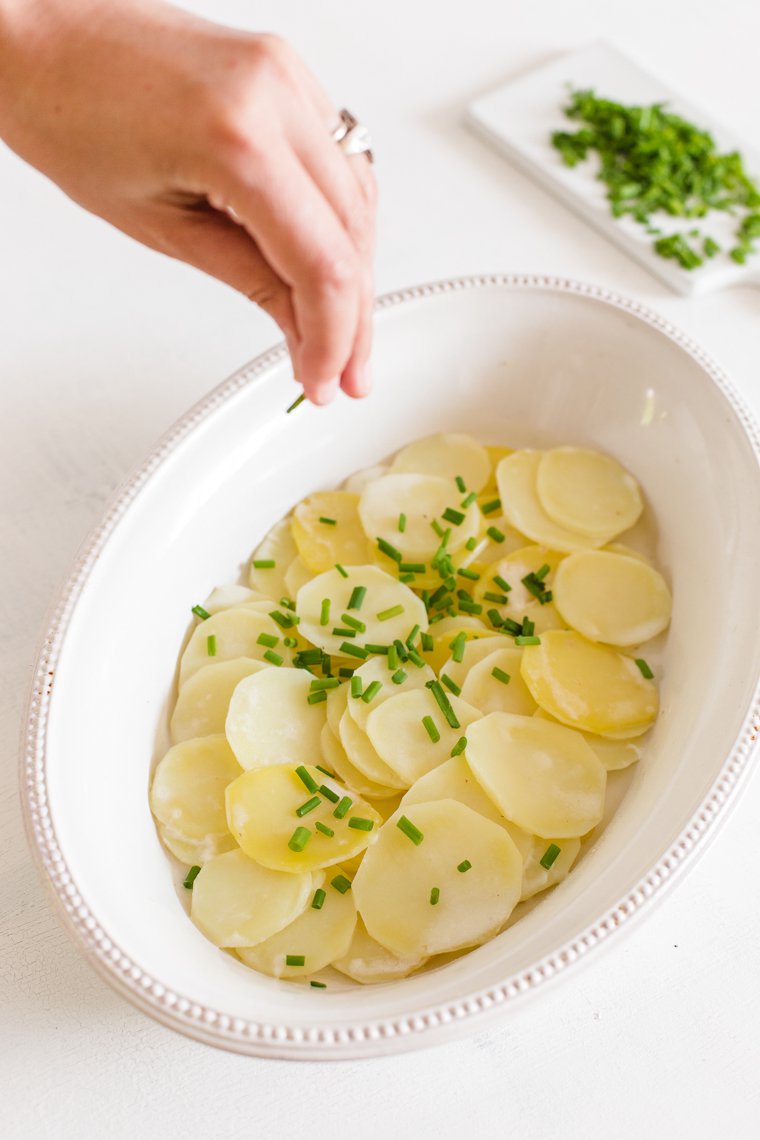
x,y
102,346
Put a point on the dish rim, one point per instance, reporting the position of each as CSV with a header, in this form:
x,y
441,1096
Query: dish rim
x,y
332,1041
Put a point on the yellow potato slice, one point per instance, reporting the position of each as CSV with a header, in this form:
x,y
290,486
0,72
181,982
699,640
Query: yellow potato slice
x,y
320,545
495,455
628,551
277,546
237,902
318,935
422,499
612,598
335,706
383,593
236,633
261,814
270,720
542,776
187,796
521,603
448,454
589,687
376,669
195,852
204,699
368,962
336,760
614,754
488,694
392,888
516,477
358,481
587,492
296,575
363,755
474,651
396,731
224,597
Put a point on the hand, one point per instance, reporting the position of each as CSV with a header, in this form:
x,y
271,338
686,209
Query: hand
x,y
210,145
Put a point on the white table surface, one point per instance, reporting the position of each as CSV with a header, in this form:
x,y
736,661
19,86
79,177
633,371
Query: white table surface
x,y
102,346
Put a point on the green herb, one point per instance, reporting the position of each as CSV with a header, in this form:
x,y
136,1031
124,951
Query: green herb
x,y
308,657
371,691
211,645
409,830
344,671
495,534
288,603
264,563
521,639
457,647
358,594
412,567
343,807
341,570
306,778
289,642
376,648
389,549
399,677
443,703
502,583
429,725
470,607
464,572
460,483
356,686
341,883
468,500
528,627
402,522
295,960
459,747
471,544
437,528
199,611
435,894
491,506
500,599
451,685
328,793
316,698
359,824
354,623
304,809
495,618
452,516
323,683
190,878
393,657
285,621
644,668
415,658
328,522
328,831
427,642
391,612
500,675
464,865
412,635
268,639
324,612
353,650
319,899
299,839
343,631
325,771
549,855
318,985
299,400
272,657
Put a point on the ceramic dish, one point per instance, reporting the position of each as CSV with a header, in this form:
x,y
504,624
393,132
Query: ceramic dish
x,y
529,361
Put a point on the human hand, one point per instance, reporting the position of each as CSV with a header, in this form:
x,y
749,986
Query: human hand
x,y
210,145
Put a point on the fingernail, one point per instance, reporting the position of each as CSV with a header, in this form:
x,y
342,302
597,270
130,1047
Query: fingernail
x,y
325,392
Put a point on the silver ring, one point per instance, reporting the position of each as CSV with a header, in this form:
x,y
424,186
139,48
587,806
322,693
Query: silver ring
x,y
351,136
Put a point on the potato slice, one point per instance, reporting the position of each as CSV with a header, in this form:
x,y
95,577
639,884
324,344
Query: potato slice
x,y
236,633
542,776
360,479
322,544
397,732
335,706
204,699
474,651
225,597
521,603
237,902
392,888
488,694
422,499
187,797
368,962
277,546
445,631
318,935
195,852
296,575
448,454
628,551
261,813
384,593
270,720
589,687
612,598
516,477
495,454
363,755
334,755
376,669
490,549
614,754
587,492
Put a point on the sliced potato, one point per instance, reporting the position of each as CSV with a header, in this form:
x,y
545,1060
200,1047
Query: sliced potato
x,y
453,780
589,687
587,492
271,722
277,546
495,454
237,902
487,693
448,454
296,575
628,551
364,756
397,732
261,814
358,481
542,776
392,888
224,597
204,699
376,669
474,650
236,633
318,935
368,962
422,499
335,758
195,852
611,597
335,706
322,544
516,477
490,549
384,593
614,754
187,796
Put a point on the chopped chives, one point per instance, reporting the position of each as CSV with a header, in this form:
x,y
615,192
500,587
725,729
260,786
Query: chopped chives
x,y
502,583
437,528
415,658
264,563
500,675
500,599
460,483
316,698
494,533
328,793
389,549
376,648
310,656
323,683
304,809
295,960
328,522
452,686
341,883
435,894
457,647
546,597
427,642
319,899
393,657
328,831
326,665
468,500
471,544
344,671
437,595
401,649
211,645
531,640
190,877
268,639
528,627
391,612
289,642
343,807
435,618
318,985
491,506
399,677
283,620
550,855
644,668
452,516
356,686
353,650
459,747
495,618
443,703
199,611
273,658
341,570
409,830
464,572
353,622
299,839
541,574
470,607
324,612
325,771
306,778
412,636
343,631
359,824
412,567
402,522
371,691
298,400
429,725
464,865
358,595
288,603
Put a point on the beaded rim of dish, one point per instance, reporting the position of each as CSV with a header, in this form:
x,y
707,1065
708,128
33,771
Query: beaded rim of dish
x,y
256,1038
